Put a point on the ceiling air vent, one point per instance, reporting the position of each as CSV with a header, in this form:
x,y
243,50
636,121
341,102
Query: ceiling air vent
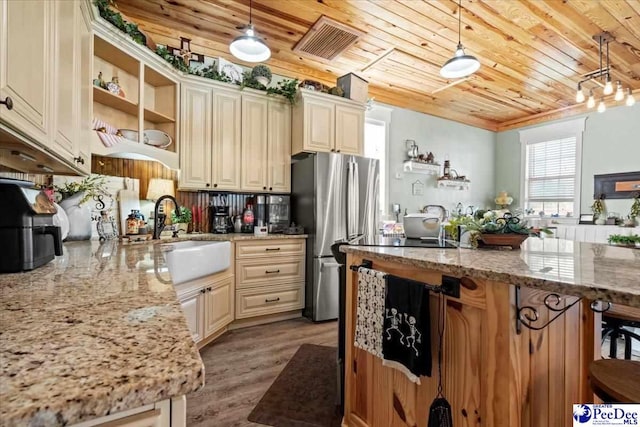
x,y
327,39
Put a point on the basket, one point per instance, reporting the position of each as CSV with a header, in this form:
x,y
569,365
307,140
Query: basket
x,y
503,239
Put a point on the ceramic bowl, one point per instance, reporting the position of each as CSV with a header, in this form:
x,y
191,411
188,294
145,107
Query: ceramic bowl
x,y
131,135
157,138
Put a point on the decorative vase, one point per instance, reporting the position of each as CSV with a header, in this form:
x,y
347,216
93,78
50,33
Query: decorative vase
x,y
79,217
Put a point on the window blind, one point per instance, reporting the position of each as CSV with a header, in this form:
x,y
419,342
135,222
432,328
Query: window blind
x,y
551,170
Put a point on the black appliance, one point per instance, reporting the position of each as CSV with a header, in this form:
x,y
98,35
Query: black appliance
x,y
27,232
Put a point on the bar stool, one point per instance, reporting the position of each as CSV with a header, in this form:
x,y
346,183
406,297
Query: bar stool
x,y
616,381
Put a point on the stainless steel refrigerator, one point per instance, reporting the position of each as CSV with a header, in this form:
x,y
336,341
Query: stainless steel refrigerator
x,y
335,197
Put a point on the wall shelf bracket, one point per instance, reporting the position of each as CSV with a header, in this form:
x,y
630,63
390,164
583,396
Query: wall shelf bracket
x,y
527,315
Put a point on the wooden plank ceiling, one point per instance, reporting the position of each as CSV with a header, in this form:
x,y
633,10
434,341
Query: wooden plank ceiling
x,y
533,52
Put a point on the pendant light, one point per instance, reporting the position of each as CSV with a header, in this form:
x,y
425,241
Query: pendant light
x,y
461,65
249,47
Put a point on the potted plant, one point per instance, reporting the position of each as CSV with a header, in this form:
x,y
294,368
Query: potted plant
x,y
598,211
626,241
182,219
73,196
262,74
491,229
634,212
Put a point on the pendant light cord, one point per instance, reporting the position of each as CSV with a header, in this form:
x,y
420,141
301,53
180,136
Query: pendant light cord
x,y
250,11
459,20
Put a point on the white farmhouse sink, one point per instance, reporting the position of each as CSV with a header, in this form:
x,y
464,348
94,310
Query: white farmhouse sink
x,y
192,259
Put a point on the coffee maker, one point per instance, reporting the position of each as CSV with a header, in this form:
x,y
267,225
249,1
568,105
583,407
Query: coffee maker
x,y
278,213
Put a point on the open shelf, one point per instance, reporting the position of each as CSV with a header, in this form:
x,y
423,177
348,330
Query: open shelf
x,y
114,101
454,184
420,167
156,117
135,150
115,56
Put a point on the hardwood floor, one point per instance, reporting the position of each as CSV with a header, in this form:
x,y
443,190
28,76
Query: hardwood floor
x,y
242,365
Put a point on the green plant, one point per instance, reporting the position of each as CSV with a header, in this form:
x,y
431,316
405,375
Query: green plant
x,y
619,239
210,72
115,18
261,71
286,88
249,81
183,217
93,185
175,61
635,208
597,208
491,223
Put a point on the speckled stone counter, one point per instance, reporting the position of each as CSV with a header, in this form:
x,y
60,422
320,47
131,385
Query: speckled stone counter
x,y
94,332
592,271
231,237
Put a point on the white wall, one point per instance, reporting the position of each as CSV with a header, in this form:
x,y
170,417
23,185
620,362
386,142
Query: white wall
x,y
611,143
471,152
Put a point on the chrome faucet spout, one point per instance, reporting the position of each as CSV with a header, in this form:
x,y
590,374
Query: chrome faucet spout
x,y
158,225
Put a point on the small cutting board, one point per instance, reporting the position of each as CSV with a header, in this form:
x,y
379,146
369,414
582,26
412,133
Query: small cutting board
x,y
128,199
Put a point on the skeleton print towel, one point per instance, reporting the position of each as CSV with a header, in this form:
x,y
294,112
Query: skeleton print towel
x,y
370,311
406,340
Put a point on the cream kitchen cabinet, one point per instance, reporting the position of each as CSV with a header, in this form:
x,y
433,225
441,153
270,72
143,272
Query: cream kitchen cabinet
x,y
266,144
279,147
195,149
208,304
26,43
254,142
48,115
227,141
326,123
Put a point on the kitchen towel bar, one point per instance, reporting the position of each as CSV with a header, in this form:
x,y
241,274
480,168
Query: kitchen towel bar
x,y
450,285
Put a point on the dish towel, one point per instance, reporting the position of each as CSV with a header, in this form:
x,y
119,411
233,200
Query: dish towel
x,y
406,343
370,311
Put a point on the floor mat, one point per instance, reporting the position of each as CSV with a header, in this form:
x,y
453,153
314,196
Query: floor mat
x,y
304,394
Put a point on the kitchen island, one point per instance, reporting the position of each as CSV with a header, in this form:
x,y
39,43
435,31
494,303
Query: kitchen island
x,y
497,372
96,332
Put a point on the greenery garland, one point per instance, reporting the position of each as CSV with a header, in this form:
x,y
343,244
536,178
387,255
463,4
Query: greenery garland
x,y
285,88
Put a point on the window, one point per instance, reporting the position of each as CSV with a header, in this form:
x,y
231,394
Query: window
x,y
375,147
551,157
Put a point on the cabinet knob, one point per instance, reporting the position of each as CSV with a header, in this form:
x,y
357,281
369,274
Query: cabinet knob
x,y
338,151
215,185
207,185
270,188
333,149
8,102
78,160
202,291
264,188
209,289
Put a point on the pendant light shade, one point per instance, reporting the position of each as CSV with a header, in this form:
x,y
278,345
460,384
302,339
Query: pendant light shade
x,y
249,47
461,65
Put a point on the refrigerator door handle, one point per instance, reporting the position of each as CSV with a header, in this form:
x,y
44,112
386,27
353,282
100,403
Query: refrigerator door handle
x,y
350,209
356,198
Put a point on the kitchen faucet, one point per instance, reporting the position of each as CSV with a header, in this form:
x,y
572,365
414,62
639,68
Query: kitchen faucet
x,y
158,225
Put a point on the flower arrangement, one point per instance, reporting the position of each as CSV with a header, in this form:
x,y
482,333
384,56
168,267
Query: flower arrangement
x,y
598,208
93,185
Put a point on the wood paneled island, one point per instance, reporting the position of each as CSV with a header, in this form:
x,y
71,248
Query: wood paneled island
x,y
496,373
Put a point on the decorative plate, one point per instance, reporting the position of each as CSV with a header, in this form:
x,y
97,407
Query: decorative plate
x,y
229,69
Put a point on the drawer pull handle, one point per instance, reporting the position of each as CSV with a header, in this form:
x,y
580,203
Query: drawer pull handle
x,y
272,249
272,271
272,299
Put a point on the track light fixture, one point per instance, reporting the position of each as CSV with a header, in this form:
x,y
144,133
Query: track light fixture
x,y
602,78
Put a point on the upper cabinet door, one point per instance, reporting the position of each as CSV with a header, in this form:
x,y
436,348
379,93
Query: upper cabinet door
x,y
279,147
319,125
349,130
227,139
25,66
83,82
195,141
254,143
66,83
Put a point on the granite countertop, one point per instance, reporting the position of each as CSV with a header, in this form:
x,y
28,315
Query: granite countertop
x,y
589,270
93,332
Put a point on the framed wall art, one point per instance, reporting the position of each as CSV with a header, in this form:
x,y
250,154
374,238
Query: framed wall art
x,y
624,185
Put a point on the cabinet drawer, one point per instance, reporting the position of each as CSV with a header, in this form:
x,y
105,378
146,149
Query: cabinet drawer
x,y
252,273
269,300
269,248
